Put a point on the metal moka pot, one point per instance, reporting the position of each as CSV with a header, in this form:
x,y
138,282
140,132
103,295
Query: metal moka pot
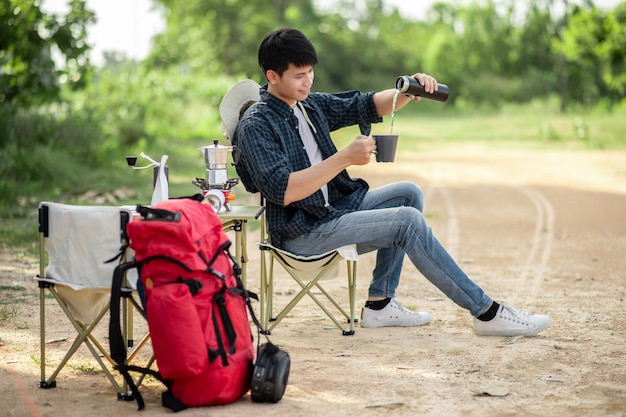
x,y
216,159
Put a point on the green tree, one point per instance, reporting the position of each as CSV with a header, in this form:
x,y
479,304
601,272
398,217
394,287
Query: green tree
x,y
612,52
352,48
32,43
533,57
594,45
360,43
221,36
471,48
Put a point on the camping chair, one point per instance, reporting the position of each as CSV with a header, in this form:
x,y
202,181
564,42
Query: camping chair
x,y
79,243
307,272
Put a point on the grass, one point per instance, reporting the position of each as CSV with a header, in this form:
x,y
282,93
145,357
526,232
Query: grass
x,y
521,127
10,298
7,313
85,366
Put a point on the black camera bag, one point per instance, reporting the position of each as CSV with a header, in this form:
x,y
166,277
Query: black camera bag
x,y
271,372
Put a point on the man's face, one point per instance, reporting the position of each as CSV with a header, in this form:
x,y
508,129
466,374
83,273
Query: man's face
x,y
294,85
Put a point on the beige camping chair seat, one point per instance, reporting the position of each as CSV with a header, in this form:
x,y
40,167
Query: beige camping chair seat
x,y
75,243
308,272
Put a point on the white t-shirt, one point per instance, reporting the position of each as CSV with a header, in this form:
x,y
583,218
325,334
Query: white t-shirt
x,y
312,150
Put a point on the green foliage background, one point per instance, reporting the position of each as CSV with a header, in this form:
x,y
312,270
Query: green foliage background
x,y
516,73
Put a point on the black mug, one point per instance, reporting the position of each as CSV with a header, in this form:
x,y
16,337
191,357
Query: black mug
x,y
411,88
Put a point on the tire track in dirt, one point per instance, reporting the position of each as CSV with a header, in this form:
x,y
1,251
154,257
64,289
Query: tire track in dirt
x,y
536,265
453,240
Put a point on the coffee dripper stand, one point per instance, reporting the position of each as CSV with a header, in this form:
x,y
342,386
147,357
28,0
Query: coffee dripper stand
x,y
132,162
216,186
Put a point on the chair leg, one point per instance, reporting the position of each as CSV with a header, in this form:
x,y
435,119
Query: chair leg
x,y
43,383
306,290
130,337
141,344
265,295
141,377
133,304
351,265
84,336
270,292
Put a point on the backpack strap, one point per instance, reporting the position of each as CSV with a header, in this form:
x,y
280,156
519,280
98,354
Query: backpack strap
x,y
169,401
117,345
247,296
224,247
167,258
116,341
149,213
220,304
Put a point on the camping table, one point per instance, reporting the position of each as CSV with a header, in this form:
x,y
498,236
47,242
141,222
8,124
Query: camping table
x,y
237,221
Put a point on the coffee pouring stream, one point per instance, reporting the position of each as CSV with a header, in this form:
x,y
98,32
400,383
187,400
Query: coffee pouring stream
x,y
410,87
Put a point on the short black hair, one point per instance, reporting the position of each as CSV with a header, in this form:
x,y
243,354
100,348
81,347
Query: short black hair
x,y
283,47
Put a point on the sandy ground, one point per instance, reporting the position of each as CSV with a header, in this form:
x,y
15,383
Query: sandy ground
x,y
543,230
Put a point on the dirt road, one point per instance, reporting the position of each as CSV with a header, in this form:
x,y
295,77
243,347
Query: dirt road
x,y
543,230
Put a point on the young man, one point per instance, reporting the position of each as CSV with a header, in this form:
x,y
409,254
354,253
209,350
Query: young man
x,y
313,206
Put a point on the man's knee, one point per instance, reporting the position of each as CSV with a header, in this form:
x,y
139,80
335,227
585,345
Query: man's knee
x,y
408,224
414,194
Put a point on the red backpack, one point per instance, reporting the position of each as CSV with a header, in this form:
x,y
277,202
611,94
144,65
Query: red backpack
x,y
196,306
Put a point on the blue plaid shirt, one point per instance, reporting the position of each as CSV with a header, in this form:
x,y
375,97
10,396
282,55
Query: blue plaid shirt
x,y
271,149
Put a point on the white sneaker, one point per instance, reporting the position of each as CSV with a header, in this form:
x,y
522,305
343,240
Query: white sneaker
x,y
394,314
512,322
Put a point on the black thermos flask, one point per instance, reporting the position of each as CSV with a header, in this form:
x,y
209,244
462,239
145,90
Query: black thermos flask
x,y
411,87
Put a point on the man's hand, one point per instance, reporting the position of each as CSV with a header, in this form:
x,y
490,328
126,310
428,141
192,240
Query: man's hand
x,y
360,150
305,182
383,100
426,81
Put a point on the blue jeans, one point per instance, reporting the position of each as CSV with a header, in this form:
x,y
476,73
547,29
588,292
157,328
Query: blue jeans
x,y
390,221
